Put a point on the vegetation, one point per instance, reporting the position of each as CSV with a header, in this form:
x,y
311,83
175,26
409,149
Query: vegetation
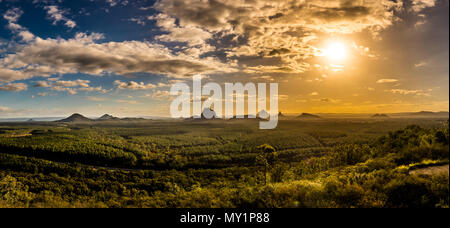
x,y
339,163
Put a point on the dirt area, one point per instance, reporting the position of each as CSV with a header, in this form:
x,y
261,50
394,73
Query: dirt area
x,y
431,170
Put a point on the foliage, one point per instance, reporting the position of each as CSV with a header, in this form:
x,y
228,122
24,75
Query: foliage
x,y
214,164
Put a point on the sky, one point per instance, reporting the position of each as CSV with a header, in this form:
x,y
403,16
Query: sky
x,y
59,57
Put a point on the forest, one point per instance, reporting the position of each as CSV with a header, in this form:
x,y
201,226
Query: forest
x,y
334,163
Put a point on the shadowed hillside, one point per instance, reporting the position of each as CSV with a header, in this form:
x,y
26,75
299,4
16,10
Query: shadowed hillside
x,y
75,118
307,116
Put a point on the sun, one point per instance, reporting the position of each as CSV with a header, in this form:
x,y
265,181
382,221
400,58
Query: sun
x,y
336,51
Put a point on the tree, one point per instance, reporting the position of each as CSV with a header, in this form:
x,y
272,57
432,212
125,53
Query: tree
x,y
267,158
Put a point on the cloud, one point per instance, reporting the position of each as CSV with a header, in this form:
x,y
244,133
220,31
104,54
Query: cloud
x,y
138,20
76,83
95,98
26,36
419,5
113,3
383,81
161,94
5,109
326,100
44,94
7,75
71,91
283,31
295,67
283,97
12,16
72,87
46,57
8,112
410,92
44,84
283,28
133,85
127,101
57,15
94,89
14,87
421,64
314,94
192,35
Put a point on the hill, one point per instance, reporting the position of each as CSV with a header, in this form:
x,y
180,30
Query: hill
x,y
380,116
208,113
107,117
308,116
75,118
263,115
429,114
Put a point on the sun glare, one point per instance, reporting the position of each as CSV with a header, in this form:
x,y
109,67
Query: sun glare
x,y
336,51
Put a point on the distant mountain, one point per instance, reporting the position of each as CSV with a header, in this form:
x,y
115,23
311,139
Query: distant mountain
x,y
244,117
308,116
208,114
263,115
107,117
429,114
380,116
38,119
75,118
423,113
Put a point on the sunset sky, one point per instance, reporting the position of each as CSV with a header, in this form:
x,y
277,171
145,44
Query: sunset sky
x,y
58,57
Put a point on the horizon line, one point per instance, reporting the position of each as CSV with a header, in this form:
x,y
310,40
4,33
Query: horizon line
x,y
287,113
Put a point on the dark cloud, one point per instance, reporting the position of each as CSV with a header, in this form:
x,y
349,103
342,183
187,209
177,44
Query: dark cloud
x,y
280,51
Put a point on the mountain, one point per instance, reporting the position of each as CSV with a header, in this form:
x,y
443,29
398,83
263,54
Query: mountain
x,y
208,114
263,115
244,117
75,118
107,117
380,116
423,113
429,114
308,116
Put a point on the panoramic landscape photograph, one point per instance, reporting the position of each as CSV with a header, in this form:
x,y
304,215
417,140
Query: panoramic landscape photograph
x,y
224,104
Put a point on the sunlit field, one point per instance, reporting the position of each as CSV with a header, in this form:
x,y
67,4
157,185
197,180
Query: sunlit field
x,y
333,162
